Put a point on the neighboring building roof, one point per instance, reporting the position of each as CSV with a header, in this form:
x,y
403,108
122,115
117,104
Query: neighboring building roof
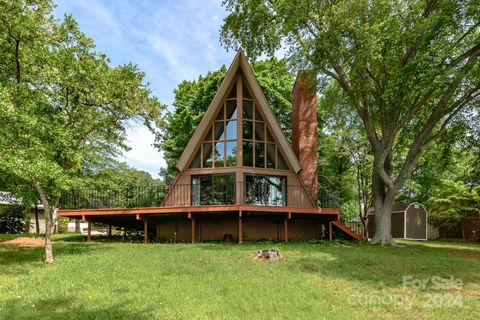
x,y
240,63
7,198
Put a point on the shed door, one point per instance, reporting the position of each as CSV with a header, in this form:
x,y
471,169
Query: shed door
x,y
416,223
398,225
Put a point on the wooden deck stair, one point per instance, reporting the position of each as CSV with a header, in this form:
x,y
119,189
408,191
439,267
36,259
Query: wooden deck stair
x,y
345,229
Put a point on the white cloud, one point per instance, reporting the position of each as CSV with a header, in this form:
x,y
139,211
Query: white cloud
x,y
142,154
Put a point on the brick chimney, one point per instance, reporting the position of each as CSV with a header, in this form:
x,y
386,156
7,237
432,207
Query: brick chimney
x,y
304,130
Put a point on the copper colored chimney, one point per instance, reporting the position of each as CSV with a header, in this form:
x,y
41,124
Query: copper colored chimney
x,y
304,130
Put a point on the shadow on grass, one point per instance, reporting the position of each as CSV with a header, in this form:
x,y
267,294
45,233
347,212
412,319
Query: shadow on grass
x,y
13,260
68,308
100,238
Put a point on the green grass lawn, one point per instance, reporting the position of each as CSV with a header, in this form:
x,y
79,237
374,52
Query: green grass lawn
x,y
328,280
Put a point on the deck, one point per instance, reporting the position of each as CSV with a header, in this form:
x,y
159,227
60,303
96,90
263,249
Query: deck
x,y
145,208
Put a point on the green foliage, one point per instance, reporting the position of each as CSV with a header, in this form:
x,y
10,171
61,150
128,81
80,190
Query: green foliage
x,y
277,85
61,102
12,218
345,158
452,203
192,99
62,106
115,175
62,224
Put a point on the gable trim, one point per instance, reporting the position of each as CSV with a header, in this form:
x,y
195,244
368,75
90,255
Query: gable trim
x,y
240,61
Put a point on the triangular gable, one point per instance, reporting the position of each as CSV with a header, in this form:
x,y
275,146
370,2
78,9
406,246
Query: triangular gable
x,y
240,62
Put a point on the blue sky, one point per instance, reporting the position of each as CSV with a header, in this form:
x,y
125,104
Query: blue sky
x,y
169,40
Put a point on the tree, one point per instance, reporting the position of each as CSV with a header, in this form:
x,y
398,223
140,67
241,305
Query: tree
x,y
61,104
452,203
345,161
407,67
193,97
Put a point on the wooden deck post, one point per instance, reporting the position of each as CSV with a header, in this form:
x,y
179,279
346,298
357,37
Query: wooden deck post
x,y
158,230
145,231
285,226
192,218
109,230
330,230
240,227
89,231
193,229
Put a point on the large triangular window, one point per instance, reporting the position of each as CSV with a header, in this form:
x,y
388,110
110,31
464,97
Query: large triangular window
x,y
259,147
219,146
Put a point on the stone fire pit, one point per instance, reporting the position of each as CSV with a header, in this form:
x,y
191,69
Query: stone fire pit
x,y
268,255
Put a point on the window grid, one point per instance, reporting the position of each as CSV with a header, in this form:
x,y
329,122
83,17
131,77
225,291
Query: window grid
x,y
259,138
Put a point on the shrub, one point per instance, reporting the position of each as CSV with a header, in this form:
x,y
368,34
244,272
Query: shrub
x,y
12,219
62,225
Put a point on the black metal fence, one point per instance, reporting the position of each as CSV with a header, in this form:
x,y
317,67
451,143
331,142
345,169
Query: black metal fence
x,y
195,195
127,197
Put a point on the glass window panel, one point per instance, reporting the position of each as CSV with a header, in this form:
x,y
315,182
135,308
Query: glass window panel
x,y
246,92
223,189
196,160
206,188
270,155
231,148
232,109
258,116
259,131
247,110
269,136
207,155
220,115
213,189
219,154
266,190
208,137
196,191
233,92
281,164
219,131
231,130
247,154
247,129
259,155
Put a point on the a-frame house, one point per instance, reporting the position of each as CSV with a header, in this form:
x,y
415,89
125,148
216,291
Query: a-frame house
x,y
239,177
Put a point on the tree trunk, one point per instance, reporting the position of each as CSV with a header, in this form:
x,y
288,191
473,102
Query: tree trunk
x,y
383,202
77,225
48,235
383,224
48,211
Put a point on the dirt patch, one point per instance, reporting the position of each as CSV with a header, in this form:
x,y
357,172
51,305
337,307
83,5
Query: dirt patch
x,y
466,254
24,242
